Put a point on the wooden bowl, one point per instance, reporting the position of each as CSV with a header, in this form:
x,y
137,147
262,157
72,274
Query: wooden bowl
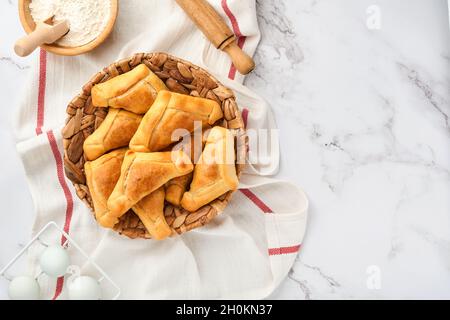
x,y
179,76
29,25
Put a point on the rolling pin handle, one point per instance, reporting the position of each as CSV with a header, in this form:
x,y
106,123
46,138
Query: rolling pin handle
x,y
242,61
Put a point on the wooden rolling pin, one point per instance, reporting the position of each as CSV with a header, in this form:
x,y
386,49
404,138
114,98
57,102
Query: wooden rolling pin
x,y
218,32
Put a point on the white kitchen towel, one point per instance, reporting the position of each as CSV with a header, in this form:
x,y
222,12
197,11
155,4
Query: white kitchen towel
x,y
243,253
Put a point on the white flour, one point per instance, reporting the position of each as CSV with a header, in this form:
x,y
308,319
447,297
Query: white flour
x,y
87,18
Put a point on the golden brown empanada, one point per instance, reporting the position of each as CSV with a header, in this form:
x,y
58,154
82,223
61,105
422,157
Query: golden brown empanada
x,y
151,212
169,112
176,187
115,131
141,174
215,172
134,90
101,177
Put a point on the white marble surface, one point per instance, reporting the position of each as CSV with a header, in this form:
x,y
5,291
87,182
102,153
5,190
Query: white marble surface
x,y
365,131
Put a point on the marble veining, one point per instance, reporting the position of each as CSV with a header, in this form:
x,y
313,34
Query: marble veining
x,y
364,126
14,63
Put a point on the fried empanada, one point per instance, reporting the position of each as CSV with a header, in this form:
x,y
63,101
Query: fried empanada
x,y
215,172
141,174
115,131
151,212
176,187
169,112
101,177
134,90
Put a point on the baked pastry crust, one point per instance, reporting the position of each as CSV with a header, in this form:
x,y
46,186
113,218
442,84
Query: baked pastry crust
x,y
176,187
115,131
169,112
101,177
134,91
215,172
141,174
150,211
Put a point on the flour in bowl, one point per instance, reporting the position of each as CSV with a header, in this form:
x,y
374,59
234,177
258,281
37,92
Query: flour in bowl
x,y
87,18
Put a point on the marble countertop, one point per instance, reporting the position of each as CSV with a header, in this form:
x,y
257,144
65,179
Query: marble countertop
x,y
360,90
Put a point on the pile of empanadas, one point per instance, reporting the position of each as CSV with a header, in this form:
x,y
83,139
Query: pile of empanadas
x,y
136,161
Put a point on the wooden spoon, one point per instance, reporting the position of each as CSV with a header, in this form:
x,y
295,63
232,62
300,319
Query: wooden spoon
x,y
45,32
29,25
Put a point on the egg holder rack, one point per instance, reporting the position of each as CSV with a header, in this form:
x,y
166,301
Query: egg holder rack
x,y
70,241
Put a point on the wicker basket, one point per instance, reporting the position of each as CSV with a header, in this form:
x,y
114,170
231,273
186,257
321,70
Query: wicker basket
x,y
179,76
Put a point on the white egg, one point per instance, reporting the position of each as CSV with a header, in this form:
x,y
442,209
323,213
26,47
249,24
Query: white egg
x,y
24,288
84,288
54,261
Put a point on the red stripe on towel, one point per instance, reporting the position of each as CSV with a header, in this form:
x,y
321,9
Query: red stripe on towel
x,y
59,287
265,208
232,18
257,201
67,195
284,250
41,90
237,32
62,182
245,116
56,154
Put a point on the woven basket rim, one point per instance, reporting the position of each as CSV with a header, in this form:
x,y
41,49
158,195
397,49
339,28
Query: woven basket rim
x,y
180,76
